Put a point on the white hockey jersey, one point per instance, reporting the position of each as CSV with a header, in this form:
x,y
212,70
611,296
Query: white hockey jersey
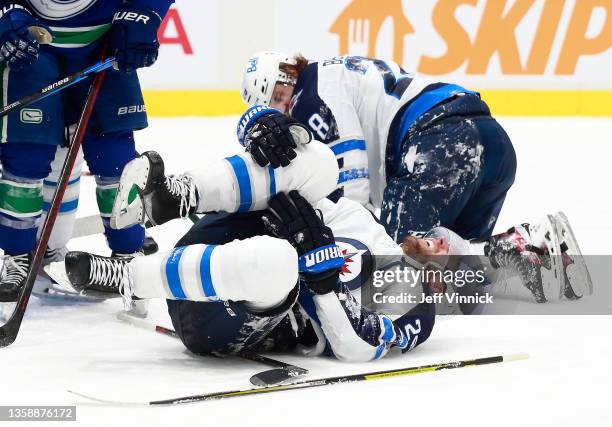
x,y
359,236
350,103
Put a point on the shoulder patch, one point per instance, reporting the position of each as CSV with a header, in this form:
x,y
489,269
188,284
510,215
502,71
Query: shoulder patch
x,y
308,108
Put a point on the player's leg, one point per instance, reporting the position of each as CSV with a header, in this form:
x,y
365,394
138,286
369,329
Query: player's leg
x,y
455,168
231,326
234,184
64,223
437,174
478,217
109,145
30,138
203,281
24,167
106,155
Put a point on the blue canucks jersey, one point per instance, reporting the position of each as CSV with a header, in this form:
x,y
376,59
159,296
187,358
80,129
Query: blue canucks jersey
x,y
79,23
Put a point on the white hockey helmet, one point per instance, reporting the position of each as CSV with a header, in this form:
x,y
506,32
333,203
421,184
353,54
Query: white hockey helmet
x,y
261,75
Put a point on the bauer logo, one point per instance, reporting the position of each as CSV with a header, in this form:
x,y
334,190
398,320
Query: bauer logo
x,y
252,65
131,16
31,115
132,109
478,37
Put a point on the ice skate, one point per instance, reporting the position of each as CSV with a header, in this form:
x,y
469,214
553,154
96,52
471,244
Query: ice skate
x,y
43,281
14,276
145,188
95,272
544,236
532,252
48,287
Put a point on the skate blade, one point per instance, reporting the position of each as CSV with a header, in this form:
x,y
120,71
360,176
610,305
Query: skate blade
x,y
583,286
545,232
62,288
57,297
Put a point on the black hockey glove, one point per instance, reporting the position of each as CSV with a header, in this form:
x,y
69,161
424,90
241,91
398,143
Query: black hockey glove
x,y
270,136
133,37
18,47
294,219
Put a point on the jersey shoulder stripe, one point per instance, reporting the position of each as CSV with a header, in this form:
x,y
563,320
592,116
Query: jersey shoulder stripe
x,y
308,108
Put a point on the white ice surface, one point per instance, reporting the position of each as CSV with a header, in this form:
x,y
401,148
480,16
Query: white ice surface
x,y
563,164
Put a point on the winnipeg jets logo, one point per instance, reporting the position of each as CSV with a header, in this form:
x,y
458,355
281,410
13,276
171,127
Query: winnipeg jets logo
x,y
60,9
358,263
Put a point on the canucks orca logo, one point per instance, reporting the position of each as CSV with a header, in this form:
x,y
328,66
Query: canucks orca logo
x,y
358,262
60,9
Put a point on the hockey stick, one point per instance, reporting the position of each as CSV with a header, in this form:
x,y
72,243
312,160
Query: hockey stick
x,y
9,331
283,373
370,376
58,86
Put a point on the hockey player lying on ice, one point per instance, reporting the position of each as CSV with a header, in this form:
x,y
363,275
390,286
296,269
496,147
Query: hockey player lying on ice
x,y
233,281
231,285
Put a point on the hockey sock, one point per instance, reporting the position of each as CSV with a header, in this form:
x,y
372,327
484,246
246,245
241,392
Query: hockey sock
x,y
260,271
64,223
20,210
238,184
127,240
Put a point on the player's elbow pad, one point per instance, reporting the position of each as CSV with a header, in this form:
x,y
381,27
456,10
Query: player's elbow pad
x,y
354,334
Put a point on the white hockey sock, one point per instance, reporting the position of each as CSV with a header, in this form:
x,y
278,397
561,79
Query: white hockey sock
x,y
64,223
239,184
261,271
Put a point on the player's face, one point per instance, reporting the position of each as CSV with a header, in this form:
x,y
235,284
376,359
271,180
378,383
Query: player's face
x,y
425,247
281,97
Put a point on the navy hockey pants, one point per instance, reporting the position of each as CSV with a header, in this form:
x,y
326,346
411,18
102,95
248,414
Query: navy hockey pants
x,y
456,166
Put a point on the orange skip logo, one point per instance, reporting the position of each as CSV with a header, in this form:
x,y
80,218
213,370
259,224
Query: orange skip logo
x,y
359,24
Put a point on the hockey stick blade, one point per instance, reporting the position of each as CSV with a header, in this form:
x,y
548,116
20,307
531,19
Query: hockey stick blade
x,y
277,376
281,374
370,376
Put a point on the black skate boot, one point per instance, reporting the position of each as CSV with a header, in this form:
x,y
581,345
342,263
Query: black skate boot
x,y
150,246
13,276
102,274
163,198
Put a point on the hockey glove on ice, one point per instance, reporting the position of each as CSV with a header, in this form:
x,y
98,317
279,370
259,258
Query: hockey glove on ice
x,y
133,37
18,48
294,219
270,136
